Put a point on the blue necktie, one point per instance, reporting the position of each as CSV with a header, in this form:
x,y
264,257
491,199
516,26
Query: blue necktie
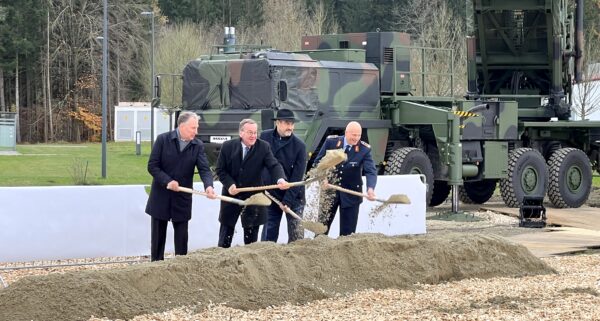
x,y
246,149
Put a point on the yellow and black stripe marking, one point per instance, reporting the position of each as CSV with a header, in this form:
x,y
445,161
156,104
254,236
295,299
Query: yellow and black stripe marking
x,y
464,113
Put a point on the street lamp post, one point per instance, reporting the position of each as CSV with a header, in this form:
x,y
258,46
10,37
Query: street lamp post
x,y
104,84
151,15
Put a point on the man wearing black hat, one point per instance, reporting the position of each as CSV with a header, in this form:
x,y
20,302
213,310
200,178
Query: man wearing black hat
x,y
290,151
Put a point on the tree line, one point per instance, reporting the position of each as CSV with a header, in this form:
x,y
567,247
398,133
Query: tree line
x,y
51,57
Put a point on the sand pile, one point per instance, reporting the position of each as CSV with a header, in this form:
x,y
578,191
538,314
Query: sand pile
x,y
265,274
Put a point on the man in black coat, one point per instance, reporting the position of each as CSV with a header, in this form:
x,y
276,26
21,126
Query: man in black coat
x,y
350,174
290,151
172,161
240,164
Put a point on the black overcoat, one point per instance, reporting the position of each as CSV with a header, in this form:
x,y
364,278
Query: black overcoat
x,y
167,163
291,154
231,169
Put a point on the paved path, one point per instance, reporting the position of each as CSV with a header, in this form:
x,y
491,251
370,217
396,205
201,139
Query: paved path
x,y
578,230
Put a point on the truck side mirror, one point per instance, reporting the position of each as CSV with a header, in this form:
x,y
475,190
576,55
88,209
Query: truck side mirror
x,y
282,90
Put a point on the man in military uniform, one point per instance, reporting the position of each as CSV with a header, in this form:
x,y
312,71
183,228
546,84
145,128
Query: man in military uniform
x,y
350,174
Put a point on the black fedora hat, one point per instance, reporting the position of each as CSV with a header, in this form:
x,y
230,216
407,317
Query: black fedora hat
x,y
285,114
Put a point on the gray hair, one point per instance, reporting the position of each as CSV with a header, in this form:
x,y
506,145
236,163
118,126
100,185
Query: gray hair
x,y
185,116
247,121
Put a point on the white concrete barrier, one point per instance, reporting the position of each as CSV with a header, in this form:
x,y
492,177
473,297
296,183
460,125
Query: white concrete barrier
x,y
63,222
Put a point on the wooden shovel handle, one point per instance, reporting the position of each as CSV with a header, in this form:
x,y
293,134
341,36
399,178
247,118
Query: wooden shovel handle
x,y
349,191
274,186
286,209
221,197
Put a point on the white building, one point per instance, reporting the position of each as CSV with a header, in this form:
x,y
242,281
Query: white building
x,y
131,117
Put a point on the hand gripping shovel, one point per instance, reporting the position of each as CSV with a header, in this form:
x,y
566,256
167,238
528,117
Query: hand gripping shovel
x,y
257,199
315,227
393,199
331,159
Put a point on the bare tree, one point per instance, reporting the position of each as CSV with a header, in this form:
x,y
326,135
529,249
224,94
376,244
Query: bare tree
x,y
433,24
287,21
176,46
586,95
323,21
75,57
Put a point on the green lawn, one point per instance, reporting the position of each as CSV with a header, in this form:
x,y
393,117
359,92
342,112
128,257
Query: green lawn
x,y
64,164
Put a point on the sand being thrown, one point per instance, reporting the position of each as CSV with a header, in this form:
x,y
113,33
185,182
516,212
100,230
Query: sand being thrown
x,y
266,274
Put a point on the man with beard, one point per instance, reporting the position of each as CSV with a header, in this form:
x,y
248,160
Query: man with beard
x,y
290,151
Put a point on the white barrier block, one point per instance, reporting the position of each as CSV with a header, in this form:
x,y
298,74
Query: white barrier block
x,y
63,222
397,219
44,223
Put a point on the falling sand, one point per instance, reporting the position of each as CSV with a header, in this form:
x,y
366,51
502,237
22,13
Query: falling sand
x,y
265,274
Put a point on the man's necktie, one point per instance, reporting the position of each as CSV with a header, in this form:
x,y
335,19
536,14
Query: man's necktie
x,y
246,149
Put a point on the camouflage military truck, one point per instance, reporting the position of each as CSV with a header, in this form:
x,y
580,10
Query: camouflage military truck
x,y
512,130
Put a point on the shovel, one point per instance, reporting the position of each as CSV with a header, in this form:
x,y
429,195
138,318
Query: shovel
x,y
274,186
393,199
257,199
315,227
331,159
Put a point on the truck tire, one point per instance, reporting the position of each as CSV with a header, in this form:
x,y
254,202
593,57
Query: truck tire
x,y
409,160
477,192
527,176
441,190
570,178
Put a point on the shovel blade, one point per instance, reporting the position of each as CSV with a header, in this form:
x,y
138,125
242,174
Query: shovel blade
x,y
398,199
258,199
331,159
315,227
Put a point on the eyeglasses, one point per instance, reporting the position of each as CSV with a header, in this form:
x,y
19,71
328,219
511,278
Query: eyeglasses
x,y
251,133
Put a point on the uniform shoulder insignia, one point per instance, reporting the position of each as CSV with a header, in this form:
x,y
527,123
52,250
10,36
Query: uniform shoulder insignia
x,y
365,144
332,136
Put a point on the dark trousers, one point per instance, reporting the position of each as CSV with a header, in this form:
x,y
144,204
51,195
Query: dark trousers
x,y
270,231
226,235
159,237
348,216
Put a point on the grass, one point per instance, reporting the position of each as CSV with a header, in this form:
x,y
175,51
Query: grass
x,y
69,164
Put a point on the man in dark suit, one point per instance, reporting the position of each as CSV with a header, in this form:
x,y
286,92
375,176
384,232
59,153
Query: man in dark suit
x,y
240,164
171,164
290,151
350,174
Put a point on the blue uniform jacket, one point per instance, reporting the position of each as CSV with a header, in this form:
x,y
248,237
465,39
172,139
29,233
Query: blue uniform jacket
x,y
291,154
359,162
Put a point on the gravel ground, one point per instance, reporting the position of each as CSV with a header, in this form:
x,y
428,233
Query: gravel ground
x,y
571,294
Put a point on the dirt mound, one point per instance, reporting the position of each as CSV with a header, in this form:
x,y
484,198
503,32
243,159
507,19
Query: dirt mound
x,y
265,274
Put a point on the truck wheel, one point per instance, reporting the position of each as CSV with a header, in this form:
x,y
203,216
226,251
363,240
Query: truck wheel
x,y
527,176
477,192
570,178
441,190
409,160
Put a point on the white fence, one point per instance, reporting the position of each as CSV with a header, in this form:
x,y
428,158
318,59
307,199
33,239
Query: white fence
x,y
49,223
